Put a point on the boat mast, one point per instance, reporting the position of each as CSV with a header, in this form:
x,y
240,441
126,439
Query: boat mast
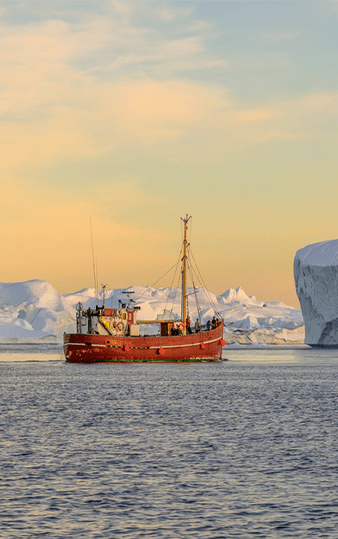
x,y
184,269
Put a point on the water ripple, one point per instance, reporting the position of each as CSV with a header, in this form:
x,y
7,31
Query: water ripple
x,y
240,449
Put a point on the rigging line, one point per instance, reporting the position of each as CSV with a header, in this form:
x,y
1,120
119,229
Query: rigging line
x,y
97,279
206,290
172,282
157,280
177,287
195,291
212,304
194,287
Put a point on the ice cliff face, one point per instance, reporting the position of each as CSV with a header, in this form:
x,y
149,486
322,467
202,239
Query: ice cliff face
x,y
316,279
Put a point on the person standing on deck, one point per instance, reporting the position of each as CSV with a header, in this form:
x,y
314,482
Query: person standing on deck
x,y
197,326
187,324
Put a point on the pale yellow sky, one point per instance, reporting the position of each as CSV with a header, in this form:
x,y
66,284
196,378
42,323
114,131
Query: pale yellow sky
x,y
136,113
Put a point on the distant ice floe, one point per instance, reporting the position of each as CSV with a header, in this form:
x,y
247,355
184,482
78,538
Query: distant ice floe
x,y
34,311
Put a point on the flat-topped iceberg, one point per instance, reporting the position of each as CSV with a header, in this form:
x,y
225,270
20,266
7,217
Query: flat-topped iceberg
x,y
316,279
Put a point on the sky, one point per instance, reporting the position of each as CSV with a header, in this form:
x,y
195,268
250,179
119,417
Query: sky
x,y
132,114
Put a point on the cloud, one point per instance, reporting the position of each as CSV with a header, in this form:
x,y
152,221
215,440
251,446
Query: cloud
x,y
53,62
102,85
124,9
53,107
169,13
159,109
105,117
37,70
198,25
161,11
110,118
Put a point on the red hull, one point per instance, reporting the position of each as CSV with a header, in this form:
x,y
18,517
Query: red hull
x,y
79,348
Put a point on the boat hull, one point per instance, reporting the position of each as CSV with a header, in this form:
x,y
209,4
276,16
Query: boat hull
x,y
204,346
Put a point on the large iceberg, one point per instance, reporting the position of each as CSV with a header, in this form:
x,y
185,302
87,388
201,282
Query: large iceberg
x,y
316,279
33,310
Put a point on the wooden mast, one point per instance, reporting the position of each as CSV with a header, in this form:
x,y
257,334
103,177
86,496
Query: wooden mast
x,y
184,269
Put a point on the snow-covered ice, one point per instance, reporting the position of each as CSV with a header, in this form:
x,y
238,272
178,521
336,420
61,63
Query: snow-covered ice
x,y
34,310
316,278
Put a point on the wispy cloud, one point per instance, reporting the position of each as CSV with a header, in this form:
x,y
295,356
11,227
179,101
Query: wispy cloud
x,y
88,87
68,89
169,13
54,51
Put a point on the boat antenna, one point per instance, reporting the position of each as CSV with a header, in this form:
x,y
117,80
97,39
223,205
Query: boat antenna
x,y
94,268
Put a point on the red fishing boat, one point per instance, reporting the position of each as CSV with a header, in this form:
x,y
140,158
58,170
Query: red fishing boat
x,y
113,335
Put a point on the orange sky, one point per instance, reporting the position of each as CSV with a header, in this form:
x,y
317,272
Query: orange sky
x,y
136,115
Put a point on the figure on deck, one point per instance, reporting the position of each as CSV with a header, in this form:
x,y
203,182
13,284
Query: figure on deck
x,y
187,324
174,330
197,326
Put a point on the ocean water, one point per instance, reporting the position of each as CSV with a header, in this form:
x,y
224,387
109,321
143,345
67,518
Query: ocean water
x,y
239,449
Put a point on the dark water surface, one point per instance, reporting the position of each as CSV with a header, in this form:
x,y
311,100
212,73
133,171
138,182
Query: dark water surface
x,y
244,448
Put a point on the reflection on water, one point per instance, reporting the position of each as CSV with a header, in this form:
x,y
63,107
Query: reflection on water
x,y
28,352
243,448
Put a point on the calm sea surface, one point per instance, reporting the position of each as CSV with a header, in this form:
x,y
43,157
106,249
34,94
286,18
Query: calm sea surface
x,y
243,448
